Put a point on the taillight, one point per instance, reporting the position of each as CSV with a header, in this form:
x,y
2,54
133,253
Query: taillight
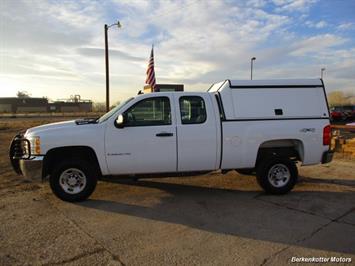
x,y
327,133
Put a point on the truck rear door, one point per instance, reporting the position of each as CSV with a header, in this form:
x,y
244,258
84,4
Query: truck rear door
x,y
198,132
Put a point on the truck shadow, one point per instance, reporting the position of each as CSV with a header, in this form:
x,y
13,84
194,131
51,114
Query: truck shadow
x,y
300,218
336,181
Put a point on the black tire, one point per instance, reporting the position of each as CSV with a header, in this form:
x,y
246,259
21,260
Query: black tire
x,y
84,169
246,171
277,184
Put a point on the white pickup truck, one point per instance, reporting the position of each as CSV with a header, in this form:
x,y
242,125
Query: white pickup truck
x,y
261,127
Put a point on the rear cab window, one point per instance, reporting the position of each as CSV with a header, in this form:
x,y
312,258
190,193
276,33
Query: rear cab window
x,y
192,110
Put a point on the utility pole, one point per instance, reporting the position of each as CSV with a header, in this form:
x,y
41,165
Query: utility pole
x,y
118,24
251,67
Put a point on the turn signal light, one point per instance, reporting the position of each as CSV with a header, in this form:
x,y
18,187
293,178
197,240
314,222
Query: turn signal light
x,y
37,145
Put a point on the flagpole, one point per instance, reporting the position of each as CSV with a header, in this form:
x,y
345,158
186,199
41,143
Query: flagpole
x,y
107,72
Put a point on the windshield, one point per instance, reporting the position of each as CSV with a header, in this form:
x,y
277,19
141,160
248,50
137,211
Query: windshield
x,y
112,111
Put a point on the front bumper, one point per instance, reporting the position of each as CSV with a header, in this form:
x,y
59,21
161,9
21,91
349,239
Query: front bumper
x,y
327,157
23,163
32,168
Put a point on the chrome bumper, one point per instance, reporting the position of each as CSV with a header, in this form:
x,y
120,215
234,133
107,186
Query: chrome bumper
x,y
327,157
22,161
32,168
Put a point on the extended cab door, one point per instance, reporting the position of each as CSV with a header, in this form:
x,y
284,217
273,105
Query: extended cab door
x,y
147,142
198,133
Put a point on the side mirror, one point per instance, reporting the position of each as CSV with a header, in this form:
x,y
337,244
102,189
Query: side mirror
x,y
119,121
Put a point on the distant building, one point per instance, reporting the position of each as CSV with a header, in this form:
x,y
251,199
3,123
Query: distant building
x,y
164,87
70,107
32,105
74,104
23,105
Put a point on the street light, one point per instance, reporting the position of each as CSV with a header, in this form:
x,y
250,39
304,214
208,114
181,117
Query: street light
x,y
251,67
321,72
118,24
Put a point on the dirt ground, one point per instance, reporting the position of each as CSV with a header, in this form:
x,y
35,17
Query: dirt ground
x,y
211,219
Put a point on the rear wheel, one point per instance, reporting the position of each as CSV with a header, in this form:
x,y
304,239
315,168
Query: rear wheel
x,y
277,175
73,180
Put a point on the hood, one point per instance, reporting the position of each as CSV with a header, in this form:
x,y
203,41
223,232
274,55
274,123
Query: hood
x,y
51,126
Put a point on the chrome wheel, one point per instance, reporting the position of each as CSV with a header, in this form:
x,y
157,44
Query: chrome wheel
x,y
279,175
72,180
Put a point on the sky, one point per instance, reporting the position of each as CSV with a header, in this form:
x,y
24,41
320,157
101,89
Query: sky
x,y
56,48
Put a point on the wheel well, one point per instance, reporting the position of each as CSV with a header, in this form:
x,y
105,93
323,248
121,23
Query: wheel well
x,y
55,155
289,148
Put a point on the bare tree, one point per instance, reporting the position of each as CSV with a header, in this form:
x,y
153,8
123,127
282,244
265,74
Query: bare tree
x,y
114,105
340,98
23,94
99,107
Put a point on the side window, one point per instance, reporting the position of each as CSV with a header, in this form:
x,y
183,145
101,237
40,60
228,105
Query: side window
x,y
192,110
149,112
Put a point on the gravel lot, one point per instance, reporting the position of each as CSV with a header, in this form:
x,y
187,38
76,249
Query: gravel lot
x,y
211,219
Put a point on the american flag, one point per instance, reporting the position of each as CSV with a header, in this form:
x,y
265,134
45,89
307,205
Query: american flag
x,y
150,71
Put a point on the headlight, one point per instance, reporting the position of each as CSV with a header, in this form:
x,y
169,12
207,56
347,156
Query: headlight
x,y
24,148
35,145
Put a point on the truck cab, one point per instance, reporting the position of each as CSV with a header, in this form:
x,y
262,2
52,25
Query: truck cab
x,y
163,133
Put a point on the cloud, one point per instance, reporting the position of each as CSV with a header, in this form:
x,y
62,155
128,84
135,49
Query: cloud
x,y
256,3
316,44
318,25
293,5
99,52
56,47
346,26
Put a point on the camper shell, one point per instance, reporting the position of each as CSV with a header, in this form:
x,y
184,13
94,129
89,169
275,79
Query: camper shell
x,y
272,99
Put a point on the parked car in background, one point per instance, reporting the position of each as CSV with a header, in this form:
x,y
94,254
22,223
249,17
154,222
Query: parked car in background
x,y
349,112
337,113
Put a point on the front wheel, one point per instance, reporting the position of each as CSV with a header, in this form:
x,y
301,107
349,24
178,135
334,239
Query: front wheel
x,y
277,175
73,180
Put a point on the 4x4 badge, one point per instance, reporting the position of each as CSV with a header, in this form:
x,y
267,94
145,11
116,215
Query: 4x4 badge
x,y
305,130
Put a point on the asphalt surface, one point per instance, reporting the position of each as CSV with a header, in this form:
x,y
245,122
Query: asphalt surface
x,y
207,220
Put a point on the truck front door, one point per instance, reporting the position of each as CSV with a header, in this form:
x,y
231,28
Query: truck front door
x,y
147,141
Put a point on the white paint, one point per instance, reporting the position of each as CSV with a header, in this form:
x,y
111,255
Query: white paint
x,y
135,150
198,143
